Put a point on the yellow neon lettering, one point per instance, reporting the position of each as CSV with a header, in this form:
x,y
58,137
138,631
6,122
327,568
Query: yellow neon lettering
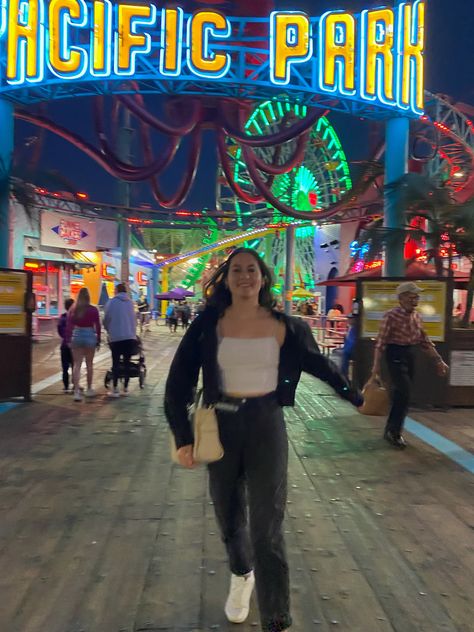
x,y
126,39
379,22
290,43
23,32
413,45
201,59
63,61
172,39
338,42
99,56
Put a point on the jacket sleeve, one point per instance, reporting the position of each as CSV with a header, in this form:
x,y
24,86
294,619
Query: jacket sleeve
x,y
97,324
181,383
314,363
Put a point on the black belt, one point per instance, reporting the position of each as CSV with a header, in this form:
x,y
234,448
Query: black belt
x,y
230,404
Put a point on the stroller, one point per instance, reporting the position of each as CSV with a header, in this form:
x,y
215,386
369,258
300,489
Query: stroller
x,y
137,368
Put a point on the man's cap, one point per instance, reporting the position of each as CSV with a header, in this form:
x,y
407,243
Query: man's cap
x,y
408,286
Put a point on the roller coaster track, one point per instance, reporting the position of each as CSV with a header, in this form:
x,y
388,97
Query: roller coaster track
x,y
227,242
455,145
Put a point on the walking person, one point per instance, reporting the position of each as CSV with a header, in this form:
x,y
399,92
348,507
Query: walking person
x,y
171,317
401,331
121,326
185,315
251,358
66,353
143,311
83,334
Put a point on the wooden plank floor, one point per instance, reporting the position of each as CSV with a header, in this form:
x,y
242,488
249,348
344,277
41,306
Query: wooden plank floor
x,y
100,533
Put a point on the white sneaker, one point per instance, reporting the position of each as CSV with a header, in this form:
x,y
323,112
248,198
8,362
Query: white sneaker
x,y
77,396
90,392
238,602
114,393
125,392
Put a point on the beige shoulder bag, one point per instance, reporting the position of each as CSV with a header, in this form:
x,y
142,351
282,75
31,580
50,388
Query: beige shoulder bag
x,y
207,444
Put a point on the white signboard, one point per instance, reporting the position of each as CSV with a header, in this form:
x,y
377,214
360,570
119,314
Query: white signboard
x,y
68,231
461,371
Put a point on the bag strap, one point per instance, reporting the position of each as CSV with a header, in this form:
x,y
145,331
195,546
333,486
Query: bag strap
x,y
198,397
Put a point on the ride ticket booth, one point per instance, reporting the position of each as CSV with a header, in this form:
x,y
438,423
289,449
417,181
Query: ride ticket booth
x,y
377,296
17,304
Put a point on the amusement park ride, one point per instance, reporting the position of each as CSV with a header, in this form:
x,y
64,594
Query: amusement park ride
x,y
265,85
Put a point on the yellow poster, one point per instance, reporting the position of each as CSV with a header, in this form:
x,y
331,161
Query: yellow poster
x,y
12,299
380,296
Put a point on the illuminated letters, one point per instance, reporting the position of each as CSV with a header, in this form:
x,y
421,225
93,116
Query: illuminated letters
x,y
65,60
411,44
377,56
25,48
337,52
127,42
202,61
171,42
290,43
101,39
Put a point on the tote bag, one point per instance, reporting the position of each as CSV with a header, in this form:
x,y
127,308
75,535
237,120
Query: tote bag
x,y
376,399
207,446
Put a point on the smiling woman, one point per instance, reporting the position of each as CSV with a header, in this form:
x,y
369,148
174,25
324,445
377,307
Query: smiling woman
x,y
251,358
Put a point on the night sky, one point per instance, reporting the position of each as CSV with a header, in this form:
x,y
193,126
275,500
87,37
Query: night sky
x,y
450,70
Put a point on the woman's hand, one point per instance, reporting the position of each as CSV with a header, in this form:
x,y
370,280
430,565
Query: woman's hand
x,y
185,456
442,368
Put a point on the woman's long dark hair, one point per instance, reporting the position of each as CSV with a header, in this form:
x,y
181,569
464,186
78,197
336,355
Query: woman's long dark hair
x,y
218,294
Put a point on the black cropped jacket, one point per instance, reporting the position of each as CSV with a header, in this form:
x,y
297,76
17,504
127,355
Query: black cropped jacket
x,y
198,349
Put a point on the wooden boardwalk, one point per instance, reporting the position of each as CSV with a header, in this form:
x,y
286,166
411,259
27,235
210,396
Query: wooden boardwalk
x,y
100,533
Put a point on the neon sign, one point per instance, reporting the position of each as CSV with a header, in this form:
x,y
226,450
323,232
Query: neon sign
x,y
375,57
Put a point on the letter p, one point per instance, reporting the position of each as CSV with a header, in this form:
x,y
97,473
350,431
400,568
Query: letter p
x,y
290,43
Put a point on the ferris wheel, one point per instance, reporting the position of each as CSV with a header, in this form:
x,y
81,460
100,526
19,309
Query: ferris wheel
x,y
320,180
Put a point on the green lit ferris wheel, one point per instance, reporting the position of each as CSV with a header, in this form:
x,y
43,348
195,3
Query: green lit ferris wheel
x,y
319,181
314,185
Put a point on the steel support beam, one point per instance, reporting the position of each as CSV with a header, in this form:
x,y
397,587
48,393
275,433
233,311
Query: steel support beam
x,y
290,268
6,153
396,166
125,154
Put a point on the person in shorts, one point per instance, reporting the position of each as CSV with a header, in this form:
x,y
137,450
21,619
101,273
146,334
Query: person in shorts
x,y
83,335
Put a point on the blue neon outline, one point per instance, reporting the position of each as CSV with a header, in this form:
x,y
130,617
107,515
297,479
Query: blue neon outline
x,y
339,64
208,29
179,46
65,21
21,52
379,64
290,60
135,49
401,49
108,19
3,18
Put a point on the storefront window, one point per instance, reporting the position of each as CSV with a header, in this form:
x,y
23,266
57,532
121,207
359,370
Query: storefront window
x,y
40,288
53,290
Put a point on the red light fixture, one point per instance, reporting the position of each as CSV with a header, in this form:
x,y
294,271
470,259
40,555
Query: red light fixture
x,y
313,198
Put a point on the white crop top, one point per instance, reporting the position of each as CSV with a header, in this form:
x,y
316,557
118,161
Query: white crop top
x,y
248,366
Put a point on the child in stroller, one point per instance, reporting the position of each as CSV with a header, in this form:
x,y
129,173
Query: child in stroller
x,y
136,368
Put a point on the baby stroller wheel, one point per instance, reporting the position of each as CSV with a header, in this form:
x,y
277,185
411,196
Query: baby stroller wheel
x,y
107,379
141,377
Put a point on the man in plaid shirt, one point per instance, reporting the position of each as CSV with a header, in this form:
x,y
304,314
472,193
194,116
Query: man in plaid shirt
x,y
400,332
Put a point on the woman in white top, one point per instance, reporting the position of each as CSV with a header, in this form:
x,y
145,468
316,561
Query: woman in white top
x,y
252,358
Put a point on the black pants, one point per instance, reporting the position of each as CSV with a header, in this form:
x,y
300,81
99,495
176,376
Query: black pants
x,y
66,363
401,363
251,479
122,348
